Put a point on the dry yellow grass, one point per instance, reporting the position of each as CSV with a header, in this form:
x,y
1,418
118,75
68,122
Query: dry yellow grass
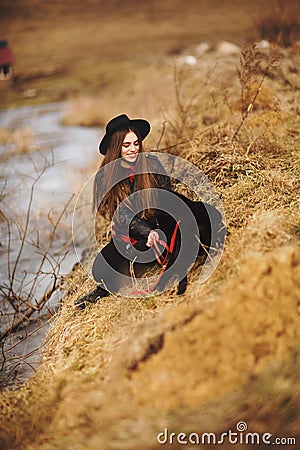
x,y
120,378
20,141
150,86
118,373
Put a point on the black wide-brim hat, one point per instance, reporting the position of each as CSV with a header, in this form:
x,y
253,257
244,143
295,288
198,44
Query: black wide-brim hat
x,y
123,122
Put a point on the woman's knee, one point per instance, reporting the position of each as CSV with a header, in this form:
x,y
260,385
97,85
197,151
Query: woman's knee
x,y
109,264
96,269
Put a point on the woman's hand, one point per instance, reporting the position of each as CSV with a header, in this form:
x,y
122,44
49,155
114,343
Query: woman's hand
x,y
153,237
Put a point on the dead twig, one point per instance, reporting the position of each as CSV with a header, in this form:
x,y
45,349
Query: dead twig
x,y
30,311
249,70
20,290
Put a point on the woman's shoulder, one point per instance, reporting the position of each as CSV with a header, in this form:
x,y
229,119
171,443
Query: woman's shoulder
x,y
151,156
153,160
99,175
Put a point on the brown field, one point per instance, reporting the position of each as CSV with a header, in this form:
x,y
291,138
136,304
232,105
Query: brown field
x,y
119,373
66,49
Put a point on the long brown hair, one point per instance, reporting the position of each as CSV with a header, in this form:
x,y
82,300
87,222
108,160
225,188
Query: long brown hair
x,y
107,205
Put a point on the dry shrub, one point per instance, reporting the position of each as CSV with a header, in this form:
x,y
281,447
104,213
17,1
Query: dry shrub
x,y
265,100
183,112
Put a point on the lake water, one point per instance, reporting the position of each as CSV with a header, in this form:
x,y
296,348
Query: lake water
x,y
64,157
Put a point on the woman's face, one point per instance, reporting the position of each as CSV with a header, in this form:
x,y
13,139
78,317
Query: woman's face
x,y
130,147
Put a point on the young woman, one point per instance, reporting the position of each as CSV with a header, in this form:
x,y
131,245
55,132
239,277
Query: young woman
x,y
125,190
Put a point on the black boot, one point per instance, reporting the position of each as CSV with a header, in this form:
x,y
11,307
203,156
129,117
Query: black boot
x,y
91,297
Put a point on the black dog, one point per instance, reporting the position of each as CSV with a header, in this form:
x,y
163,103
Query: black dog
x,y
200,235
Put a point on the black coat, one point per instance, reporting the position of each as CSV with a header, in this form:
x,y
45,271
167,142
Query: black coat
x,y
126,217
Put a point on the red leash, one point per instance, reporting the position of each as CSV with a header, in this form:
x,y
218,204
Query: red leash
x,y
161,261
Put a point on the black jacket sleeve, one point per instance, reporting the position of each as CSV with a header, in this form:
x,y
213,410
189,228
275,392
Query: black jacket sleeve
x,y
126,221
158,170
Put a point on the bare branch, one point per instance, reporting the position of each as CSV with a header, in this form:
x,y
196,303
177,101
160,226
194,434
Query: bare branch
x,y
30,311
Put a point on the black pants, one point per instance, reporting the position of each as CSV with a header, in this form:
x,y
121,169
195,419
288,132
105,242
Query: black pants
x,y
111,267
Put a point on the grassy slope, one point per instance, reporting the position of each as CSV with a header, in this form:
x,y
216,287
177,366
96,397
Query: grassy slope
x,y
119,373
